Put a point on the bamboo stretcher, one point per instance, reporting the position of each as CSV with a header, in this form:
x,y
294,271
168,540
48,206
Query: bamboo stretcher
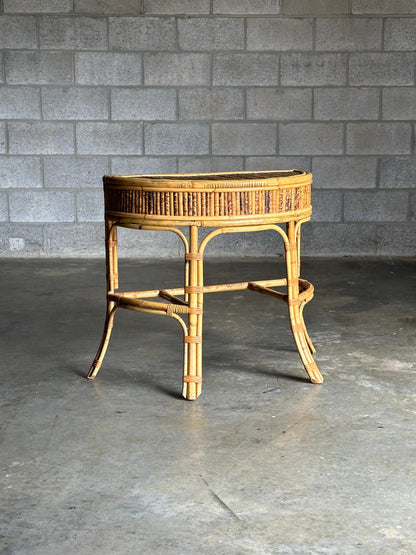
x,y
230,202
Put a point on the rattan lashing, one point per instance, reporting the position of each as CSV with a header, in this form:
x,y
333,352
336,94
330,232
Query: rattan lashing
x,y
229,202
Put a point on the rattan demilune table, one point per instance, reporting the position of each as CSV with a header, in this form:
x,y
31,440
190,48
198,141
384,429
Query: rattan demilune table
x,y
228,202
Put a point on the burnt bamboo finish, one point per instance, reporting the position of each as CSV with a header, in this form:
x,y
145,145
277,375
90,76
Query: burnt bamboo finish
x,y
229,202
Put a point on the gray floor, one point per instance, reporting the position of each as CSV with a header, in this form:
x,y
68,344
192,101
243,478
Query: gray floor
x,y
263,462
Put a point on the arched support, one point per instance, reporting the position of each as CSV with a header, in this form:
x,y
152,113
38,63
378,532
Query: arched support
x,y
291,240
240,229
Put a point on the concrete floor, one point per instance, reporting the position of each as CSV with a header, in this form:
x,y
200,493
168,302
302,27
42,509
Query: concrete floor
x,y
263,462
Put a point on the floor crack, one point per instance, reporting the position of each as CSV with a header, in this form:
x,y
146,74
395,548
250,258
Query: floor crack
x,y
221,502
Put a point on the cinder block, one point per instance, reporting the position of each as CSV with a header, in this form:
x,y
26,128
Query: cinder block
x,y
19,103
211,103
134,243
378,138
109,138
381,7
129,165
90,206
41,206
310,69
176,138
264,244
347,103
327,206
344,172
396,239
337,238
2,137
244,138
399,103
177,7
73,33
4,207
38,68
376,206
194,164
142,33
245,69
397,172
75,240
400,34
246,7
116,7
38,6
227,244
259,163
166,68
311,138
211,34
41,138
278,34
381,68
348,33
315,7
21,240
18,31
75,103
143,104
108,68
20,171
75,172
279,104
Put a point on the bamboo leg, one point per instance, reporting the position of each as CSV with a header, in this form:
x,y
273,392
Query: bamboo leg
x,y
308,339
305,331
295,311
200,304
112,283
108,327
186,277
192,378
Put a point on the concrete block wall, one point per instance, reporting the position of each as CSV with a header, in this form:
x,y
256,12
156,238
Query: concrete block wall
x,y
89,87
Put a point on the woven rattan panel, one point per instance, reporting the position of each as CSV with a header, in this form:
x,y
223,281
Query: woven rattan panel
x,y
208,199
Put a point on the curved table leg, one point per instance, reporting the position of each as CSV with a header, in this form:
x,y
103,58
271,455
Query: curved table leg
x,y
305,331
108,327
301,337
302,306
112,283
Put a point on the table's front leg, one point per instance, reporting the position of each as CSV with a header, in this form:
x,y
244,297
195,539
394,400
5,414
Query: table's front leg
x,y
192,378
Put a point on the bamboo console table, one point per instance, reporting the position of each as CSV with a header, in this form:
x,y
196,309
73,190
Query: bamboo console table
x,y
229,203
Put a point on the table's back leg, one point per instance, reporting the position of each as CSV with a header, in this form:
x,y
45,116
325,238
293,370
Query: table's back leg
x,y
112,283
297,323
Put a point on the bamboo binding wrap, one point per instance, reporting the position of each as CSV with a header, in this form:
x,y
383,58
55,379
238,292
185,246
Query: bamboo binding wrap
x,y
210,199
